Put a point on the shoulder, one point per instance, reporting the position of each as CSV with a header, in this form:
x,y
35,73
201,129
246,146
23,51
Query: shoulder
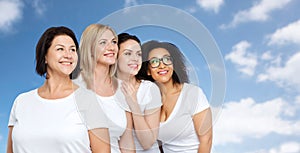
x,y
148,84
191,88
27,94
79,81
84,93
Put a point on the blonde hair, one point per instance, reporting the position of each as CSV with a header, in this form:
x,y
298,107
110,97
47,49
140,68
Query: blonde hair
x,y
88,54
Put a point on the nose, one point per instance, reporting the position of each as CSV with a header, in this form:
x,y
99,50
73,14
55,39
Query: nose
x,y
136,57
161,64
68,54
111,47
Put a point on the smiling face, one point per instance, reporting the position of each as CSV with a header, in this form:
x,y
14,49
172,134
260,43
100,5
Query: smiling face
x,y
107,48
61,57
130,58
163,73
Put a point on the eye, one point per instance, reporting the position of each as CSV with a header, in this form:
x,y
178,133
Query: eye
x,y
60,49
167,58
127,53
154,60
139,54
103,42
114,42
73,50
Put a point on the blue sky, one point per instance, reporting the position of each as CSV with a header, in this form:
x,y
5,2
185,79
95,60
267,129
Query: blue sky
x,y
259,42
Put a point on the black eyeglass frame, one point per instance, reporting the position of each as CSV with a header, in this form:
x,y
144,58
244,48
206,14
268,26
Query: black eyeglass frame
x,y
161,60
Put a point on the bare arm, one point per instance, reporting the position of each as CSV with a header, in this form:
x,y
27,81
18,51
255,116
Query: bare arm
x,y
9,148
203,126
145,126
99,140
126,142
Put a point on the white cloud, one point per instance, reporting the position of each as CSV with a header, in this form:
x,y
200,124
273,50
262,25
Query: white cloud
x,y
287,147
39,7
129,3
260,11
286,35
286,76
249,119
210,4
244,60
10,13
267,56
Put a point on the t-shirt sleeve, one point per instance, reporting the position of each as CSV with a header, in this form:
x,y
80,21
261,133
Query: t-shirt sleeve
x,y
90,110
12,118
155,97
197,98
202,102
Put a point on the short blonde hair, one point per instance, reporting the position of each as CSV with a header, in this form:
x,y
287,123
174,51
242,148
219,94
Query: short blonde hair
x,y
88,54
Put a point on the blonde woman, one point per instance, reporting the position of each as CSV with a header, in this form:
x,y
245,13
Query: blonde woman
x,y
98,55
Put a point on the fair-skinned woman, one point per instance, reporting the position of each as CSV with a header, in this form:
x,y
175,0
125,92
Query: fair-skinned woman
x,y
98,52
143,97
185,119
48,119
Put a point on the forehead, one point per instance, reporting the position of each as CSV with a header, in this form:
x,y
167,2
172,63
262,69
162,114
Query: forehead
x,y
107,34
63,39
158,52
130,44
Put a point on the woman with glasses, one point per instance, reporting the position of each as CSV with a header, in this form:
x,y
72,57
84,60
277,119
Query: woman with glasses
x,y
143,97
185,119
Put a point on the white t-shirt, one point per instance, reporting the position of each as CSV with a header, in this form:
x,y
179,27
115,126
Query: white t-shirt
x,y
177,133
115,110
148,96
48,126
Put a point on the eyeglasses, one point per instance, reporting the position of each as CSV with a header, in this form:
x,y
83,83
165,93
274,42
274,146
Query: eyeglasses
x,y
155,62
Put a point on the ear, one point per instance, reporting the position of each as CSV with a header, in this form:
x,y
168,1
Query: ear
x,y
148,72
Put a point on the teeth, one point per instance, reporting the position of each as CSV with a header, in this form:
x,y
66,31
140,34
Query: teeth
x,y
163,72
109,54
133,65
69,63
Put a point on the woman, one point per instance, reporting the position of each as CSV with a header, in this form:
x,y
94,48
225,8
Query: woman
x,y
47,119
143,97
185,115
98,53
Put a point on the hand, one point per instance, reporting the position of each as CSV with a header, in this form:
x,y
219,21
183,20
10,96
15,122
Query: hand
x,y
130,93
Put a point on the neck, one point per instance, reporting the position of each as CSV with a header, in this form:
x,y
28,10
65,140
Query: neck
x,y
169,88
104,84
126,77
102,74
55,87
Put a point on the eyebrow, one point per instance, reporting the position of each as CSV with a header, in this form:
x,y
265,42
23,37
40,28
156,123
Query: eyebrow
x,y
130,50
64,45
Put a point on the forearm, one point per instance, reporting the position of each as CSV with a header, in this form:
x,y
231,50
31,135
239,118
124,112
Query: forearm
x,y
145,134
126,142
9,148
205,147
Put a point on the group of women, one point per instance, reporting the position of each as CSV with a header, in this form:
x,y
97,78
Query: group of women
x,y
109,94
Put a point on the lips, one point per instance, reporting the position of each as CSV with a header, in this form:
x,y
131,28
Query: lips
x,y
134,66
109,54
163,72
66,62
